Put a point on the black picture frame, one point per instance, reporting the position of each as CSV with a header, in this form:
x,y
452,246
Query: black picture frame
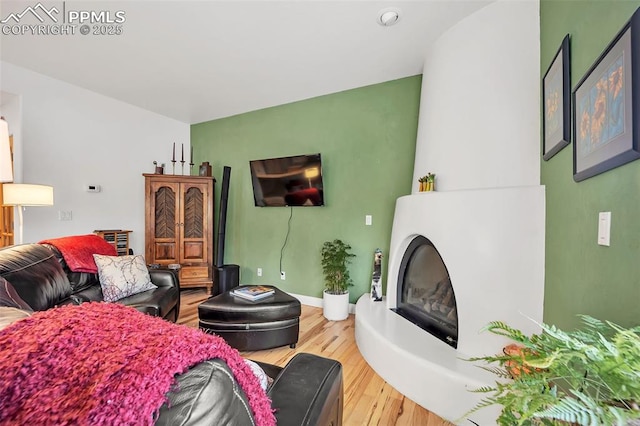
x,y
556,103
606,109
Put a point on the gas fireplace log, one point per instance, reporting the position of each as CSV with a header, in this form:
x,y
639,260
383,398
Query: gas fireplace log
x,y
453,315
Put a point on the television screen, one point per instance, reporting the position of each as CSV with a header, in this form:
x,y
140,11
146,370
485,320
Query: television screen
x,y
288,181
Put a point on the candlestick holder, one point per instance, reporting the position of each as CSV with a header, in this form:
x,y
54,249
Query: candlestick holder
x,y
182,167
191,168
173,167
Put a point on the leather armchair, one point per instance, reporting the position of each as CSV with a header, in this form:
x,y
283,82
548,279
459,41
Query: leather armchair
x,y
308,391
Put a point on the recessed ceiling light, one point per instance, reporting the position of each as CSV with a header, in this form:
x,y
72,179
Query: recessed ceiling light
x,y
388,16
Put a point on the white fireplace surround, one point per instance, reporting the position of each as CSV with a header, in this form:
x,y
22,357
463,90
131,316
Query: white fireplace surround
x,y
492,243
479,132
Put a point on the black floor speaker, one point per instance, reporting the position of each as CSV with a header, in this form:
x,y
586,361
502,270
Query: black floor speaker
x,y
225,278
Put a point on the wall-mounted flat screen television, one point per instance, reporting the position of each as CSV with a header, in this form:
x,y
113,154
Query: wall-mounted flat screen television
x,y
288,181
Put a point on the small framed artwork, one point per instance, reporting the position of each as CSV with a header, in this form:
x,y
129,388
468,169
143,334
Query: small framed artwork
x,y
606,114
556,92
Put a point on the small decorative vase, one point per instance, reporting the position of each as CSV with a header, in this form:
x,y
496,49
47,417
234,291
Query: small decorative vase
x,y
205,169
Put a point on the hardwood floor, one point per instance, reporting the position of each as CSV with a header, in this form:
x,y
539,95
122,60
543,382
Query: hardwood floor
x,y
368,400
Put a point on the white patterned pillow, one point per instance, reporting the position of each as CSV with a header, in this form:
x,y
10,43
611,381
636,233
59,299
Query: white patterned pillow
x,y
264,380
122,276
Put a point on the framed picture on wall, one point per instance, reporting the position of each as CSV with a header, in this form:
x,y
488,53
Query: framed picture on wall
x,y
556,92
606,115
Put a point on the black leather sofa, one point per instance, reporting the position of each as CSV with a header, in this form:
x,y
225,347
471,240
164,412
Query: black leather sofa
x,y
307,391
41,278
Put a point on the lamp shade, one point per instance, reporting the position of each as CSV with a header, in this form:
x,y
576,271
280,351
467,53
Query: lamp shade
x,y
6,167
311,172
24,194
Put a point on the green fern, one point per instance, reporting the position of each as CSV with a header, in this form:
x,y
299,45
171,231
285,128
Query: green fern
x,y
584,377
502,329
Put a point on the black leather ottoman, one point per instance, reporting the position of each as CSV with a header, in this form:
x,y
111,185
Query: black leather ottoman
x,y
249,326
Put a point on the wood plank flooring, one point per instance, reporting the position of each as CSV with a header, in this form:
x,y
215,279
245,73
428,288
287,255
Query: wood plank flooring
x,y
368,400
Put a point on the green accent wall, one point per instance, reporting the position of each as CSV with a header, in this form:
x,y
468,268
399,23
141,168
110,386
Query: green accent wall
x,y
367,140
581,276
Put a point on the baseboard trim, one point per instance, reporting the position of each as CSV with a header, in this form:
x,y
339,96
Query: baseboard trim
x,y
317,302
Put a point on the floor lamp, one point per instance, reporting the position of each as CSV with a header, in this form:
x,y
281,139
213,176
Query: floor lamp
x,y
311,172
6,165
24,194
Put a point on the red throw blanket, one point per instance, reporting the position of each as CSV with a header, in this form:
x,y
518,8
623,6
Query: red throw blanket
x,y
78,251
105,364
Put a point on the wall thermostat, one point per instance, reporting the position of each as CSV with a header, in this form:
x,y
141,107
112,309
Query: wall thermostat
x,y
93,188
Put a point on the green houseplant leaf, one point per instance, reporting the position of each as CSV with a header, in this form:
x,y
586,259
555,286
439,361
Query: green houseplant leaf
x,y
336,257
589,376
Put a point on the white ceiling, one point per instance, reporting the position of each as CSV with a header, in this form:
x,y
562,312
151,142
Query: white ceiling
x,y
196,61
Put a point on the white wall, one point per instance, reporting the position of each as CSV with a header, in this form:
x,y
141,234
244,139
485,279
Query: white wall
x,y
479,121
71,137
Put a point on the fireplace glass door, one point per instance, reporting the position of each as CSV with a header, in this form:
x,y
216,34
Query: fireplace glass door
x,y
425,294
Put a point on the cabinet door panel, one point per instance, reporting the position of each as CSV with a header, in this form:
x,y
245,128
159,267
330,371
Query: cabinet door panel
x,y
162,216
193,251
165,251
165,212
194,221
194,206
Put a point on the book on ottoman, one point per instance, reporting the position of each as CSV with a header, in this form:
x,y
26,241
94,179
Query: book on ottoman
x,y
253,292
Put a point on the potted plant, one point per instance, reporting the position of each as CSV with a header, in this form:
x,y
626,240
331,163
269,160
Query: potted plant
x,y
430,182
336,258
422,183
589,376
427,183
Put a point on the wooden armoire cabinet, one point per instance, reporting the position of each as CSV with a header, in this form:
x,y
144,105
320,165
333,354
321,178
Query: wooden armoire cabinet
x,y
179,226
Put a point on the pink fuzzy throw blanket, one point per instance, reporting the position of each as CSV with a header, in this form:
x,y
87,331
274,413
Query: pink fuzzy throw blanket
x,y
105,364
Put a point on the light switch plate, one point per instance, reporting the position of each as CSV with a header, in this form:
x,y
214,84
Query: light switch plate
x,y
368,219
604,228
65,215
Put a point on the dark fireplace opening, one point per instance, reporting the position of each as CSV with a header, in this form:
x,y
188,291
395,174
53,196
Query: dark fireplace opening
x,y
425,294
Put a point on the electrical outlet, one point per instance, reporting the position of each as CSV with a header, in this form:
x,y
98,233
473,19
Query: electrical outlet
x,y
283,276
259,272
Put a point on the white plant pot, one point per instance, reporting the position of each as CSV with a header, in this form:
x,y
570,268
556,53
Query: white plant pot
x,y
335,307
